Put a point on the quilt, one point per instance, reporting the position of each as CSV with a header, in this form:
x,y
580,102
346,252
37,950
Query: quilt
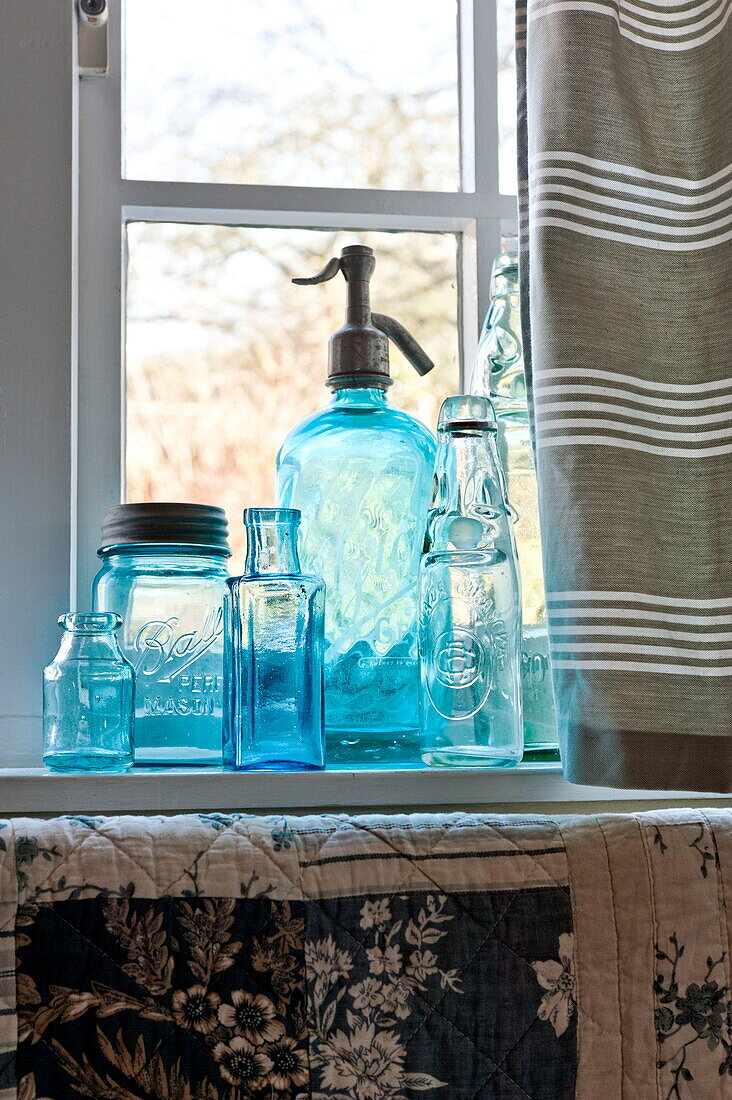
x,y
449,957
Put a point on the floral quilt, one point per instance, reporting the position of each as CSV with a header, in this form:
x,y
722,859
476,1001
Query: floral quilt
x,y
449,957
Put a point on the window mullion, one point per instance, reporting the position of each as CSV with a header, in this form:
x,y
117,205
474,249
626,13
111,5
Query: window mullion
x,y
308,207
479,106
483,72
99,442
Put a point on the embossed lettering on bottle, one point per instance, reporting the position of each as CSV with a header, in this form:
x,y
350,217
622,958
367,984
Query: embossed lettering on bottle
x,y
165,661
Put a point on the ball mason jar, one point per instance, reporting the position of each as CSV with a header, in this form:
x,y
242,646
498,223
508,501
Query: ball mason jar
x,y
164,570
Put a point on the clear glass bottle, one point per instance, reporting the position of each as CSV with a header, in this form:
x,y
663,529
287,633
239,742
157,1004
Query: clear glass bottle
x,y
273,714
498,373
360,471
470,600
164,570
88,697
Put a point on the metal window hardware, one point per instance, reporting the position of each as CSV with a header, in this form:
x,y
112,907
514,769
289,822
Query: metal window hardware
x,y
92,37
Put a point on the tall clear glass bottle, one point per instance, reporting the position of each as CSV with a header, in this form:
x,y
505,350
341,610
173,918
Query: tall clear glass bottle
x,y
469,600
360,471
498,373
273,655
88,697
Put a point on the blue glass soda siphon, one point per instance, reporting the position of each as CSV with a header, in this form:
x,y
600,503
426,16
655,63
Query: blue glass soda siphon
x,y
499,373
273,657
470,600
360,470
88,697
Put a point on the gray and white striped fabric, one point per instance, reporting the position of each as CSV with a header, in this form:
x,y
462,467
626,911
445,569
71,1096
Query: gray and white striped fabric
x,y
625,161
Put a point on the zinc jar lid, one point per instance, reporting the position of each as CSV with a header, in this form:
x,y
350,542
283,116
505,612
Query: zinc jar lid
x,y
202,525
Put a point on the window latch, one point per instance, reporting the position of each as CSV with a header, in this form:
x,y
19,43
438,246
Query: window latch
x,y
92,37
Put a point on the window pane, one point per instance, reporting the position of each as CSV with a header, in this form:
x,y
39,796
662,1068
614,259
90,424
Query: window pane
x,y
323,93
225,355
506,97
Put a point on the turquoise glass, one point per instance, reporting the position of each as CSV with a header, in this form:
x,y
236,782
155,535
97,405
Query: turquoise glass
x,y
88,698
273,667
171,600
360,471
470,600
498,373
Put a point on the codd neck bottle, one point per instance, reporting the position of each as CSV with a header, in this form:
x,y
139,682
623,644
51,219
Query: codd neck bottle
x,y
273,652
498,373
469,600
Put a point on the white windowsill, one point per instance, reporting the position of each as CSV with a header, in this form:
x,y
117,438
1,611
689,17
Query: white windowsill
x,y
162,790
28,788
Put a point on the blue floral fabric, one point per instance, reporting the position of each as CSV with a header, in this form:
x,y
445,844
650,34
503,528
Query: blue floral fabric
x,y
438,994
200,998
444,957
175,999
231,958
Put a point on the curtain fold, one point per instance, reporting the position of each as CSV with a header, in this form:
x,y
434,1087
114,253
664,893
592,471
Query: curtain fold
x,y
625,193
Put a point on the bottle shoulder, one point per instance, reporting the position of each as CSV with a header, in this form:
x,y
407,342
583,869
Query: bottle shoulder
x,y
334,424
125,570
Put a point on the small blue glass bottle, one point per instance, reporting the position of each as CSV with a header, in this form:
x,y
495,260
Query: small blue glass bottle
x,y
273,655
88,697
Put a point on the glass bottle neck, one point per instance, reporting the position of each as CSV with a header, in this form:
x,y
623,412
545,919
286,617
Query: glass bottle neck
x,y
89,645
360,397
470,506
272,548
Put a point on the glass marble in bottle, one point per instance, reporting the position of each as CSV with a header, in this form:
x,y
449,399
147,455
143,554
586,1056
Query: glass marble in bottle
x,y
273,657
88,697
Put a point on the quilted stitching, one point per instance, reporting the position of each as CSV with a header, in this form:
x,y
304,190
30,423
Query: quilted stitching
x,y
101,962
433,1008
250,845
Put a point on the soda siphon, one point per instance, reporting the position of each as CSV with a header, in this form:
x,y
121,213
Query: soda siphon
x,y
360,471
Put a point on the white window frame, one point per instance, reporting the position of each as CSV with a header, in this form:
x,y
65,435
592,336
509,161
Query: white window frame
x,y
63,208
478,214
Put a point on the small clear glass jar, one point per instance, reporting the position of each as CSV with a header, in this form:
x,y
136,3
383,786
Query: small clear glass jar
x,y
88,697
274,652
164,570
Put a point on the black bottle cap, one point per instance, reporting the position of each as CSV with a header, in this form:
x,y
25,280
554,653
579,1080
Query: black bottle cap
x,y
202,525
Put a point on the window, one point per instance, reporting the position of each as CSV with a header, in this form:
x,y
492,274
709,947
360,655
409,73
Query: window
x,y
251,149
95,253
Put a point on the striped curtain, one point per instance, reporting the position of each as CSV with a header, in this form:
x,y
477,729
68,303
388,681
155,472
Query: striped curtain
x,y
625,118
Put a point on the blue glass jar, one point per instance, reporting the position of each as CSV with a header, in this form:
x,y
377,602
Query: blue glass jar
x,y
88,698
164,570
274,652
470,600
